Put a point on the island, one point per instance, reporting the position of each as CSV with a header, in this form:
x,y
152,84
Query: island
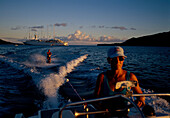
x,y
159,39
9,43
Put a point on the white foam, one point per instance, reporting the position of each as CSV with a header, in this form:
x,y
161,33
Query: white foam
x,y
38,60
32,71
17,65
160,105
52,82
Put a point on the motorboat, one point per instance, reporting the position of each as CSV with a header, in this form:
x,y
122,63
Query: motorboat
x,y
87,109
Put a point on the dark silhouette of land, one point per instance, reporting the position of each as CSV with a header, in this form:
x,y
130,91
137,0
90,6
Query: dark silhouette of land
x,y
9,43
160,39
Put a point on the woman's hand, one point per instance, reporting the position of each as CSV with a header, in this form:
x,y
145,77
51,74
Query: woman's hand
x,y
140,101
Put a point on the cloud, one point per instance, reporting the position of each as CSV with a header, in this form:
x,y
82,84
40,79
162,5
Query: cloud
x,y
114,27
37,27
102,26
121,28
80,36
109,39
16,28
33,29
60,24
132,28
81,27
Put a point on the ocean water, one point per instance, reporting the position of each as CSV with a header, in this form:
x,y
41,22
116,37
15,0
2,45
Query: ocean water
x,y
28,83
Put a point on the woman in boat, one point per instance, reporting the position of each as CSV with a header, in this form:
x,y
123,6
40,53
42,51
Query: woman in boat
x,y
106,82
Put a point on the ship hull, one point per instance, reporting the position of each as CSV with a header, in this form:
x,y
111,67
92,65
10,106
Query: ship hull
x,y
44,43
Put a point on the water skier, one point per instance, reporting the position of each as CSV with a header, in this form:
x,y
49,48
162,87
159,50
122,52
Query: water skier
x,y
49,56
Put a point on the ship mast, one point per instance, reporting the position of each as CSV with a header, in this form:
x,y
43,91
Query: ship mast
x,y
54,31
29,34
47,33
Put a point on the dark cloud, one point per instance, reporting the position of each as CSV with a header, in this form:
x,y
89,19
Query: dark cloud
x,y
121,28
102,26
63,24
60,24
114,27
33,28
37,27
81,27
132,28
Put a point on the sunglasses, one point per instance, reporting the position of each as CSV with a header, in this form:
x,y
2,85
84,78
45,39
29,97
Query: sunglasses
x,y
121,58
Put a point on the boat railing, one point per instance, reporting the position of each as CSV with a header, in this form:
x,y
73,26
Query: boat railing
x,y
151,94
107,98
96,100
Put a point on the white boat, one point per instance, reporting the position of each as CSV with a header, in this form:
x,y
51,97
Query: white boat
x,y
51,42
46,41
87,109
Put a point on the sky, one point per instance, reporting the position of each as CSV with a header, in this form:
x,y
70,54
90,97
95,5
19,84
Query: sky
x,y
83,21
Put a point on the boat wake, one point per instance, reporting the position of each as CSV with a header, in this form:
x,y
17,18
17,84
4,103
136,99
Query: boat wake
x,y
52,82
160,105
16,65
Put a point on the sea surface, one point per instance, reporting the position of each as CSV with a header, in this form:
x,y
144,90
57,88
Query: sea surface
x,y
28,83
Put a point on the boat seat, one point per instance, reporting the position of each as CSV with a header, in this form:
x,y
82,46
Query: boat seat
x,y
65,114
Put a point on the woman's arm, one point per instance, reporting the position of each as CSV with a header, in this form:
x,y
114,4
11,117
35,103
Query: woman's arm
x,y
98,85
137,89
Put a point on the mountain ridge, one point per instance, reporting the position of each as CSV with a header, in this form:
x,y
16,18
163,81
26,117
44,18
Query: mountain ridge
x,y
159,39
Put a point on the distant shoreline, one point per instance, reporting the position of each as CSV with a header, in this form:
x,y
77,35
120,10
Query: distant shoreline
x,y
160,39
2,42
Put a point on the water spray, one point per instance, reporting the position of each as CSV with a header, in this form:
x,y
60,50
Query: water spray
x,y
52,82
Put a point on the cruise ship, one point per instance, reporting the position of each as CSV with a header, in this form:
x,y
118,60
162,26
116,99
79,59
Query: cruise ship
x,y
50,42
